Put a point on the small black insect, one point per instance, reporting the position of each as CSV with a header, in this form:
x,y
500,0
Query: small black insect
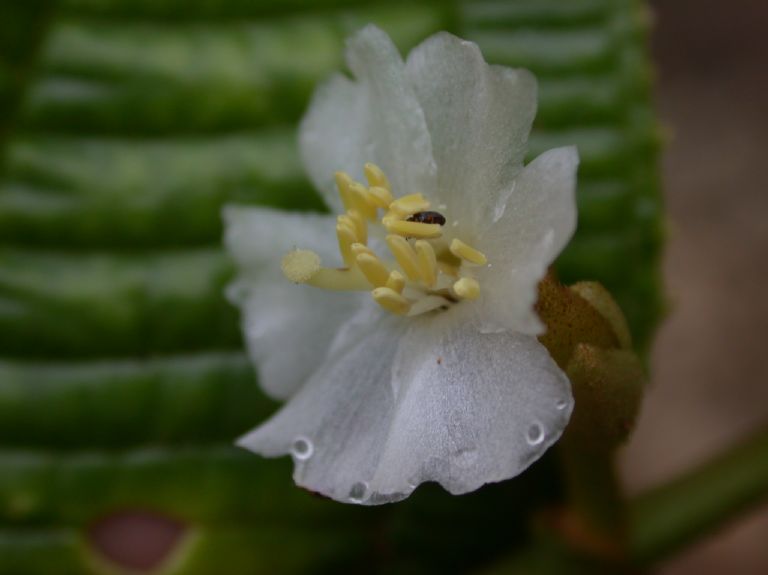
x,y
428,218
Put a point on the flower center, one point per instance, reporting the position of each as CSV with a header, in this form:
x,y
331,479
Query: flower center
x,y
423,271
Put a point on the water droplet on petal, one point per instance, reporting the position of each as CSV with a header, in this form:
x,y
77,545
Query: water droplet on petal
x,y
561,404
357,492
302,448
535,434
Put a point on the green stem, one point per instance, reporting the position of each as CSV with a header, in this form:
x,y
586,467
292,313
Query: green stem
x,y
594,492
669,517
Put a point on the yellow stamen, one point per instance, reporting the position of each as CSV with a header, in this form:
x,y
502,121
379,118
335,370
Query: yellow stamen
x,y
361,198
380,196
467,288
405,256
466,252
396,281
427,262
359,248
361,226
429,272
409,205
346,236
376,177
343,180
412,229
373,269
303,267
391,301
346,221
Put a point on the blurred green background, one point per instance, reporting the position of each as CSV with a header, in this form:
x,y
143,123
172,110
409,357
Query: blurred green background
x,y
708,385
126,125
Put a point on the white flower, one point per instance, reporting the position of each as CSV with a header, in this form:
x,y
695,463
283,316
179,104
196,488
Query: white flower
x,y
420,361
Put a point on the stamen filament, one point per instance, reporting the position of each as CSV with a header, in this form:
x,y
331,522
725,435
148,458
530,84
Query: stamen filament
x,y
391,301
346,236
373,269
467,252
405,256
303,267
344,279
448,269
427,262
467,288
412,229
376,177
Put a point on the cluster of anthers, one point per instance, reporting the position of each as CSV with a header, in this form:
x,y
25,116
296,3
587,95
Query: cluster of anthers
x,y
428,271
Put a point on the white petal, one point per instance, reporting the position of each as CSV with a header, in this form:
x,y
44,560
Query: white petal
x,y
373,119
478,117
471,408
470,418
333,135
342,413
288,328
532,227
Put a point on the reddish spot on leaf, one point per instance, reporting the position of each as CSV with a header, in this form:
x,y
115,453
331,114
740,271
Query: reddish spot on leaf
x,y
137,540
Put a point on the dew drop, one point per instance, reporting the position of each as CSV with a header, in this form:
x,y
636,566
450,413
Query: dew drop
x,y
561,404
535,434
357,492
302,448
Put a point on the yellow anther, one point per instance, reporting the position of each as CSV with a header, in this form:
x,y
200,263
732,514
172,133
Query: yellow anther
x,y
391,301
405,256
427,262
362,200
343,181
380,196
466,252
346,236
373,269
359,248
361,226
412,229
303,266
409,205
467,288
349,224
396,281
376,177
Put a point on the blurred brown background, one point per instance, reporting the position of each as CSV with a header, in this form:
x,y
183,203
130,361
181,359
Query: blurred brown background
x,y
710,365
